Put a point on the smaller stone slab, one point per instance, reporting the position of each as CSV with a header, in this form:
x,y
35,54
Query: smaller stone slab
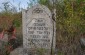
x,y
17,51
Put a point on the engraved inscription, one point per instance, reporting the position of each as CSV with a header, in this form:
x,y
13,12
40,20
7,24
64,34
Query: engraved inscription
x,y
38,34
37,10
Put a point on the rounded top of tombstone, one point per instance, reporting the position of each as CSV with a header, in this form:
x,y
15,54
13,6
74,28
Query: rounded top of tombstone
x,y
39,7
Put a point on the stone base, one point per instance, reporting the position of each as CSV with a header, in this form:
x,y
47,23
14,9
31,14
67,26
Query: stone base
x,y
21,51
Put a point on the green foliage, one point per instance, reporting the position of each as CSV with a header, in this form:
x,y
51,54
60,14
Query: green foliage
x,y
41,51
16,23
60,53
70,24
46,2
43,1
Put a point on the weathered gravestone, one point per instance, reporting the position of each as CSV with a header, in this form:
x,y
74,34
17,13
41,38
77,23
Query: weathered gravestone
x,y
38,33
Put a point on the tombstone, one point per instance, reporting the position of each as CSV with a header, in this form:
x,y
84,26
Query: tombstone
x,y
38,31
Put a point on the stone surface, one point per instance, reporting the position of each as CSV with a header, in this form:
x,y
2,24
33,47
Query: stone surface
x,y
38,29
17,51
5,38
82,40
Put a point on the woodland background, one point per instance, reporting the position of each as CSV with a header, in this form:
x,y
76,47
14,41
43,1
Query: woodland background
x,y
70,23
